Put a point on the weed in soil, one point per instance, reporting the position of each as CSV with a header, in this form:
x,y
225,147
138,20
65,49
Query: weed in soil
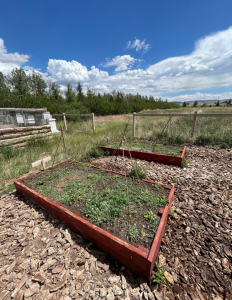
x,y
102,198
159,275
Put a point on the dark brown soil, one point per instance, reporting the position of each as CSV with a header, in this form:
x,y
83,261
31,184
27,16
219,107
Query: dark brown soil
x,y
118,226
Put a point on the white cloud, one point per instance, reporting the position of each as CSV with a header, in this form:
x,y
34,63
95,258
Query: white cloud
x,y
208,66
123,62
138,45
9,61
201,96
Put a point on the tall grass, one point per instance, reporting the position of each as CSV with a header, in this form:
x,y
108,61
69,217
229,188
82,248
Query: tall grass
x,y
79,138
15,162
208,130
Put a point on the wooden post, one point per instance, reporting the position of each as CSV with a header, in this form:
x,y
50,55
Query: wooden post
x,y
194,123
93,121
134,124
65,123
24,119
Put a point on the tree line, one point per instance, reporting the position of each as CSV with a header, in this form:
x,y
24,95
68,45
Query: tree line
x,y
19,90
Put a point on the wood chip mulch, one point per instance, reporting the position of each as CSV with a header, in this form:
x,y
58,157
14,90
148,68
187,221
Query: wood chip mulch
x,y
41,258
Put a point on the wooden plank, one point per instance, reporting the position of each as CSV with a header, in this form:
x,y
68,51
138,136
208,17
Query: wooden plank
x,y
46,159
36,163
160,231
183,115
165,159
25,109
72,115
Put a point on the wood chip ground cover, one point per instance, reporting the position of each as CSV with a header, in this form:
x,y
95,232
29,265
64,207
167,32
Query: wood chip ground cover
x,y
150,147
125,207
34,246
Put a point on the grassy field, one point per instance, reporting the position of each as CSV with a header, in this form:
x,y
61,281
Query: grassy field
x,y
15,162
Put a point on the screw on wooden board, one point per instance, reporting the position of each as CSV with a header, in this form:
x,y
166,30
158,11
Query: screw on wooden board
x,y
41,162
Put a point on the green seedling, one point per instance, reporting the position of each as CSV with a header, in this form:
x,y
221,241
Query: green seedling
x,y
143,233
171,214
132,232
159,275
149,216
155,187
176,180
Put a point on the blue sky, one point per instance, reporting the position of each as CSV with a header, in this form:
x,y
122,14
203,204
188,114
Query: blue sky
x,y
180,50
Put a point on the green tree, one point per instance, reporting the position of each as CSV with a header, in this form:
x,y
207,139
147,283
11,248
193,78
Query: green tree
x,y
36,84
217,103
184,104
54,91
79,92
70,95
18,80
195,104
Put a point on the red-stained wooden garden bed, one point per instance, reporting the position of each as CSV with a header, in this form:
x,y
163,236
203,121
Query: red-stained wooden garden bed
x,y
140,260
160,158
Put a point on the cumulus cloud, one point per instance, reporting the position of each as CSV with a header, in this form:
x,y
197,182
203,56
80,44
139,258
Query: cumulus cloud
x,y
123,62
9,61
200,96
208,66
138,45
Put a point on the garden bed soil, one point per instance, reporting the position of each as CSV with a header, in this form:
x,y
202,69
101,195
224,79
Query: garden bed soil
x,y
139,255
166,154
117,226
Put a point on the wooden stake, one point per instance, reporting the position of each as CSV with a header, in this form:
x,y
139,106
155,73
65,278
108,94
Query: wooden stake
x,y
93,121
134,124
41,162
65,123
194,123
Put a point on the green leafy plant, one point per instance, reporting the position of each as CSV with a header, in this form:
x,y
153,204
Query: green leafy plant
x,y
159,275
171,214
155,187
224,146
149,216
132,232
184,162
137,171
176,180
143,233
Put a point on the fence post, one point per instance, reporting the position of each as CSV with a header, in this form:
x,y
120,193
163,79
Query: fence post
x,y
65,123
194,123
93,122
134,120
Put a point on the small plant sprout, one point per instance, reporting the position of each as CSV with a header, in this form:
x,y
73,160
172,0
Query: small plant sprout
x,y
155,187
143,233
171,214
137,171
149,216
132,232
176,180
159,275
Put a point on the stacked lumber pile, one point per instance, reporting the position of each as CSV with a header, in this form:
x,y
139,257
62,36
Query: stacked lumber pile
x,y
18,136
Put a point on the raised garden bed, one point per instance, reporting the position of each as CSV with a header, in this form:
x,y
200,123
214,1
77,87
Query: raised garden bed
x,y
166,154
95,203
